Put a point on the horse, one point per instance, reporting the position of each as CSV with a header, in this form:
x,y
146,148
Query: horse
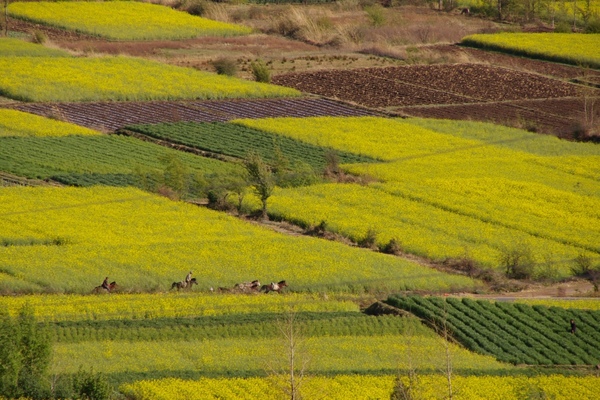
x,y
184,284
273,287
247,286
102,289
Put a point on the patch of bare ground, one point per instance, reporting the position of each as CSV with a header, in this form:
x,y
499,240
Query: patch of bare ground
x,y
54,34
574,288
427,85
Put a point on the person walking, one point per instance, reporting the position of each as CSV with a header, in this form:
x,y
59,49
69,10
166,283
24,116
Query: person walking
x,y
573,326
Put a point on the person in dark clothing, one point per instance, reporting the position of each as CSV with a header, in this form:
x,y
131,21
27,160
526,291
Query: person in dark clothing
x,y
573,326
105,284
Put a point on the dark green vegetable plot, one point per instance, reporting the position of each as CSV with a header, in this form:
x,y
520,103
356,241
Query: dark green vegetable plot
x,y
515,333
237,141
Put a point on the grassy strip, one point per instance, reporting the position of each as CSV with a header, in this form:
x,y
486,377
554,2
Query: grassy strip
x,y
10,47
259,325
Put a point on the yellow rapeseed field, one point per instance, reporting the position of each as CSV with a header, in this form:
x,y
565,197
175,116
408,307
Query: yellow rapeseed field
x,y
576,48
146,242
119,78
446,195
123,20
17,123
52,308
365,387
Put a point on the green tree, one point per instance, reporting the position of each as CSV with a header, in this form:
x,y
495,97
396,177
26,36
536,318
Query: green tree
x,y
261,178
25,355
35,348
10,358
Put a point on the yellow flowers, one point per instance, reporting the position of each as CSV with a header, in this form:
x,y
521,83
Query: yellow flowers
x,y
100,231
342,387
452,194
124,20
119,78
570,47
52,308
17,123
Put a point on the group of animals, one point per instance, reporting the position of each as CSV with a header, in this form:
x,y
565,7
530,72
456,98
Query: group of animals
x,y
244,287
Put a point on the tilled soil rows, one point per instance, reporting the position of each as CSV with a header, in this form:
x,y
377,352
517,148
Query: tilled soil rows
x,y
110,116
555,116
428,84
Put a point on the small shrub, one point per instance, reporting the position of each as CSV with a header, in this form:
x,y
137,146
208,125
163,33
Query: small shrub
x,y
368,241
518,262
392,247
376,15
225,66
582,265
260,71
593,26
39,37
562,27
92,386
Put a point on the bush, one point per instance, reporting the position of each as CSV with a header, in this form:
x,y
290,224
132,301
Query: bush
x,y
39,37
392,247
25,354
90,385
368,241
593,26
260,71
225,66
518,262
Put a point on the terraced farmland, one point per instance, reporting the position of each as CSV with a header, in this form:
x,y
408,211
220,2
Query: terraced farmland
x,y
456,91
238,141
94,159
108,116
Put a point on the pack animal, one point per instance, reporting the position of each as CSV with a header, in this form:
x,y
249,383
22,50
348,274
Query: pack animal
x,y
273,287
101,289
184,284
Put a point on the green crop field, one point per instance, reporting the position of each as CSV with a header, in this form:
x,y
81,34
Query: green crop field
x,y
514,333
123,20
119,78
95,159
237,141
10,47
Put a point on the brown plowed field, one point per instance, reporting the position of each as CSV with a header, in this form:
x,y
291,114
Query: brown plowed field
x,y
427,84
456,91
110,116
555,116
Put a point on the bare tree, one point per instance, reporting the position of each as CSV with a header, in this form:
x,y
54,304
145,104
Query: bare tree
x,y
290,375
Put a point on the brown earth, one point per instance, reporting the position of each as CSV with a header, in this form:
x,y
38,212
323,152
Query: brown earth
x,y
110,116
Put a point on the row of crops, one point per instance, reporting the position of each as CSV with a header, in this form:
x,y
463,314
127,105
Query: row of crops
x,y
515,333
237,141
95,159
